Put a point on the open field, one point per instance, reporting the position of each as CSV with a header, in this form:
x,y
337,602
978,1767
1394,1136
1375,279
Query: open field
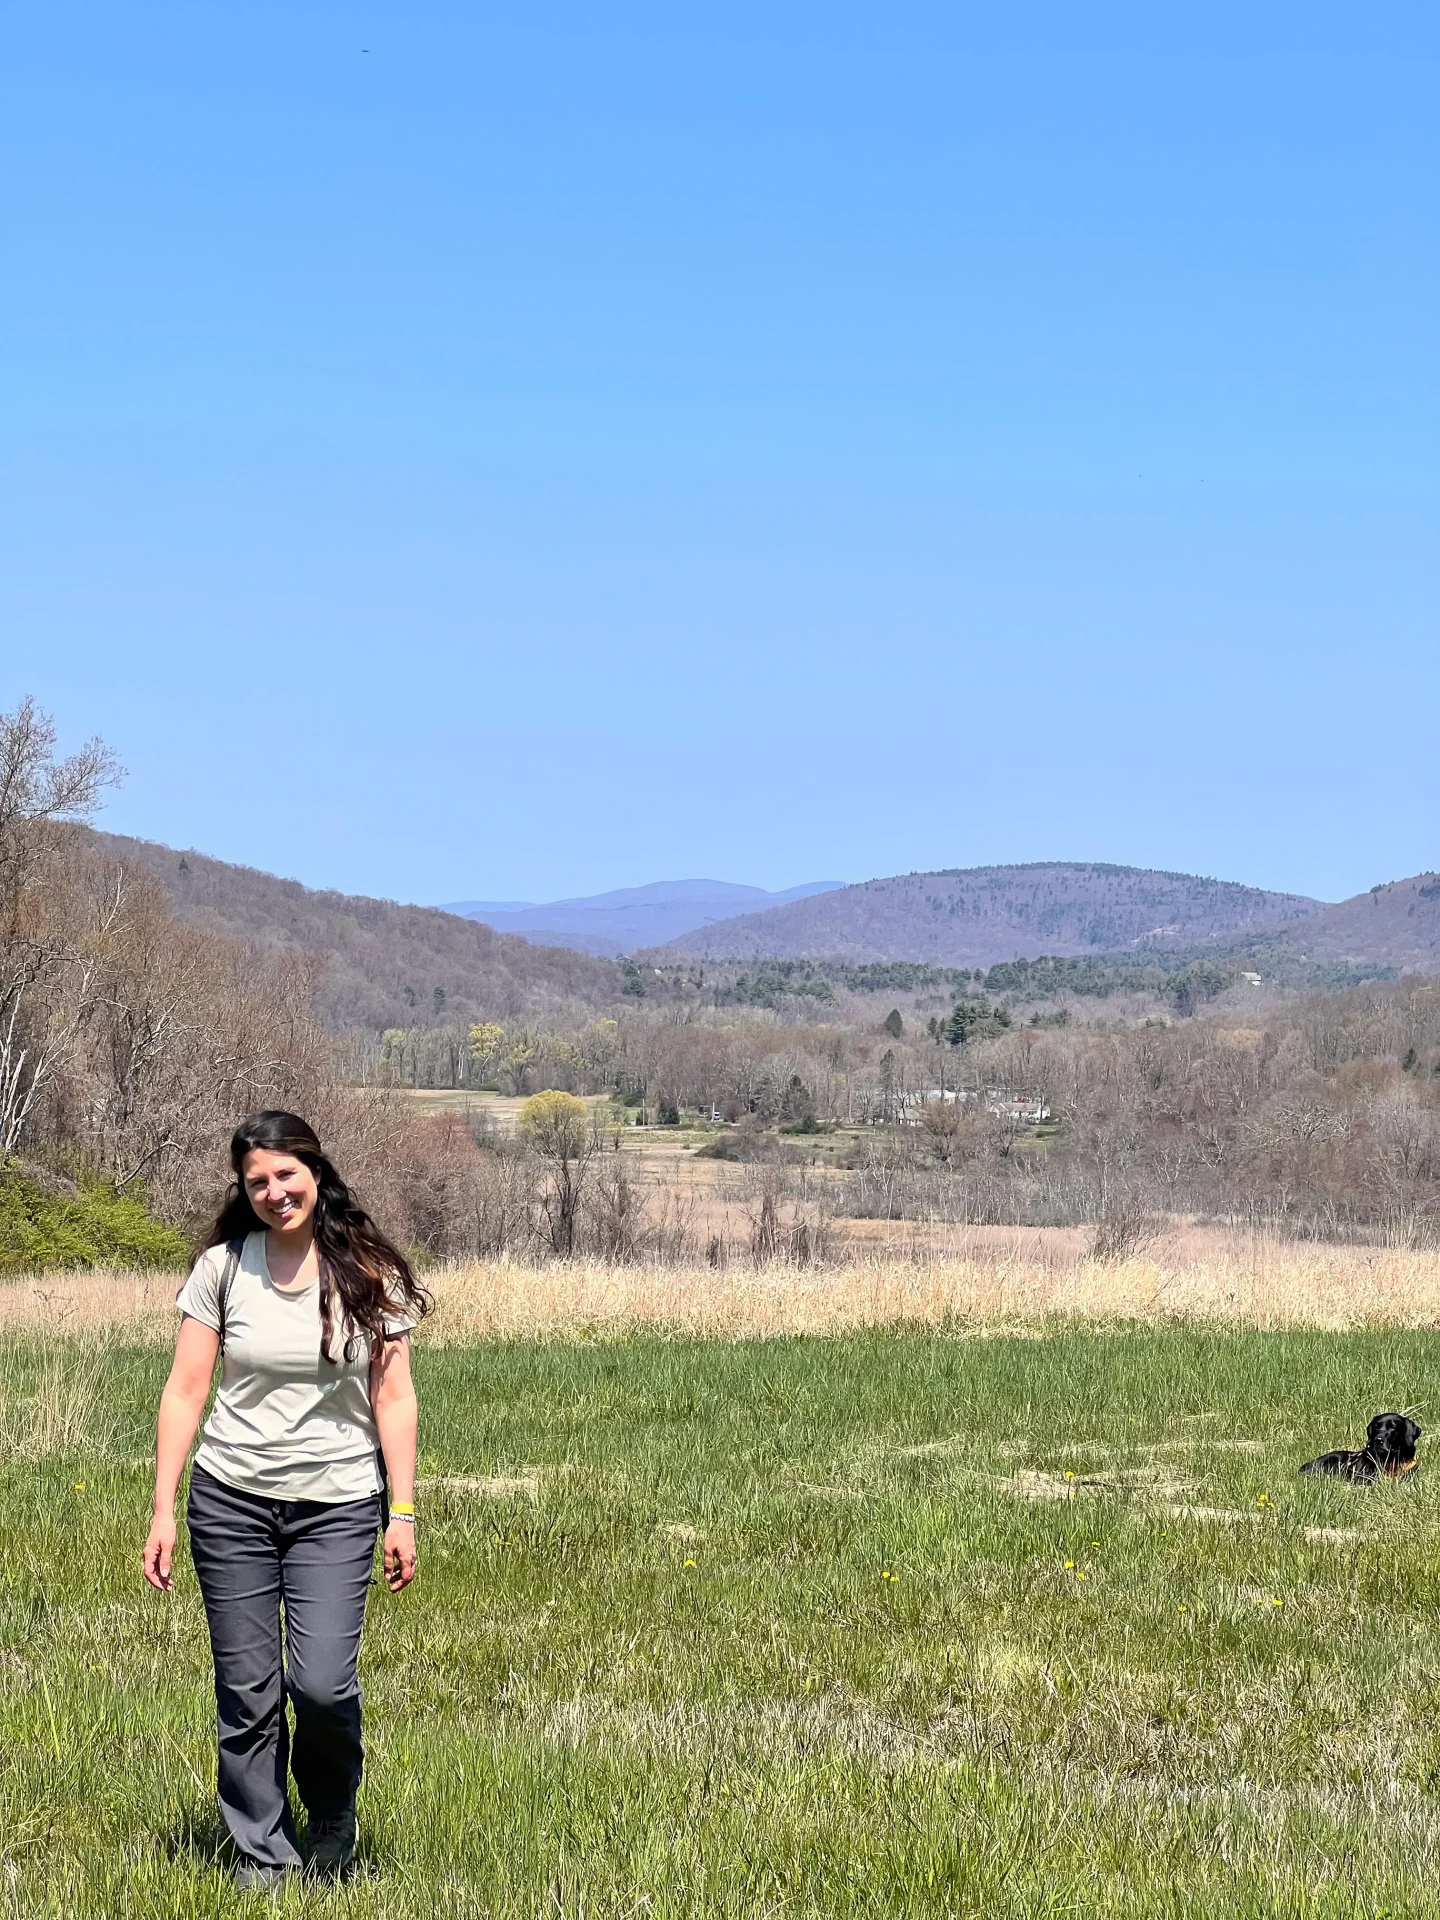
x,y
893,1621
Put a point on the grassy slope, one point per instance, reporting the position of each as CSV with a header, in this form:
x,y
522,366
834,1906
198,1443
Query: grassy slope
x,y
565,1717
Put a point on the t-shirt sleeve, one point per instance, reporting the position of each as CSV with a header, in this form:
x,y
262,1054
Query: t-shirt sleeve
x,y
199,1298
397,1320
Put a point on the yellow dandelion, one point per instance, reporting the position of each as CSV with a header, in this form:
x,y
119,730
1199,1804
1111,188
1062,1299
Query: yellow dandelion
x,y
689,1563
79,1486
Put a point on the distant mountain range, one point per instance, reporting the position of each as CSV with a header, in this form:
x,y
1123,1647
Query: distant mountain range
x,y
632,917
390,965
976,916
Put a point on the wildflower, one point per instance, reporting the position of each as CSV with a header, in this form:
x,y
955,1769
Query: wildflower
x,y
689,1563
1069,1566
1082,1576
1183,1609
79,1486
1263,1501
1277,1603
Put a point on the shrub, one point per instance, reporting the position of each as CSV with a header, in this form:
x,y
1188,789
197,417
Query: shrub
x,y
47,1223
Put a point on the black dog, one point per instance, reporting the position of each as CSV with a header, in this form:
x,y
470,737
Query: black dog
x,y
1390,1442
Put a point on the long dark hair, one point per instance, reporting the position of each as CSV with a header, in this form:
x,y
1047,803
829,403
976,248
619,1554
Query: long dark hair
x,y
357,1261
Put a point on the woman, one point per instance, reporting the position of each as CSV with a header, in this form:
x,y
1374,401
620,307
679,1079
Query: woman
x,y
310,1308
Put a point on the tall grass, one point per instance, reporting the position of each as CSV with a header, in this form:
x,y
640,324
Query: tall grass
x,y
977,1276
54,1397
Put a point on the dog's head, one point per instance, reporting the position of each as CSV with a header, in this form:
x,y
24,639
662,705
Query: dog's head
x,y
1391,1440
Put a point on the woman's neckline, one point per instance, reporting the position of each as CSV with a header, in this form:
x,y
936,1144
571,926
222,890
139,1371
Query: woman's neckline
x,y
292,1292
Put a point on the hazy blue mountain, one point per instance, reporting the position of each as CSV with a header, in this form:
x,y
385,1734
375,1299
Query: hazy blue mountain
x,y
472,909
631,917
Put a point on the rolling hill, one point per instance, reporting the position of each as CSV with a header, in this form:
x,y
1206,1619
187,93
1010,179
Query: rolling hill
x,y
389,965
1396,924
978,916
632,917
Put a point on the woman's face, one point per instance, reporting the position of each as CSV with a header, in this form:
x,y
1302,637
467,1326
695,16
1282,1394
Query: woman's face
x,y
280,1188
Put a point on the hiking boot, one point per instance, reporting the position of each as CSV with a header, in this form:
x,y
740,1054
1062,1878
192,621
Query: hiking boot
x,y
254,1876
332,1844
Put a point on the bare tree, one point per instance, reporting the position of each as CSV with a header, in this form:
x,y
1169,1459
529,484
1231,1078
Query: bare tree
x,y
50,933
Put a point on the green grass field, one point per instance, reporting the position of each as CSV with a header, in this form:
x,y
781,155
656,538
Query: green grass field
x,y
813,1626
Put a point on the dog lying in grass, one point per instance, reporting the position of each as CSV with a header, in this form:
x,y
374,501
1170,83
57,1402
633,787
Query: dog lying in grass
x,y
1389,1449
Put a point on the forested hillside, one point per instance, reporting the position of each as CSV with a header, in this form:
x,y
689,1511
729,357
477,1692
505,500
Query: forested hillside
x,y
1394,925
978,916
386,965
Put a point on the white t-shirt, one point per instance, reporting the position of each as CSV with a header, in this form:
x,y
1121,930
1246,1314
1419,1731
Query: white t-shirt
x,y
286,1424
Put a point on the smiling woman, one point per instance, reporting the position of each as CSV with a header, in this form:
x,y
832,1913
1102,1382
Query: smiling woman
x,y
310,1307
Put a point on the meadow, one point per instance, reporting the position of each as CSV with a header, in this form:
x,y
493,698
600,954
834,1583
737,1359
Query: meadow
x,y
991,1597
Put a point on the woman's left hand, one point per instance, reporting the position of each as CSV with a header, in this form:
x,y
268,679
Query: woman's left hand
x,y
398,1555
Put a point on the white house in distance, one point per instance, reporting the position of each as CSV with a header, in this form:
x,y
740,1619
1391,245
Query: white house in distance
x,y
1006,1103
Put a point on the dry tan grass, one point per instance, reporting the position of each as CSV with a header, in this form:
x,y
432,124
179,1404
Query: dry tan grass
x,y
83,1302
990,1280
984,1279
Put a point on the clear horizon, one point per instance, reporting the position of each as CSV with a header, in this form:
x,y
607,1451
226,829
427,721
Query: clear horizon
x,y
519,903
522,456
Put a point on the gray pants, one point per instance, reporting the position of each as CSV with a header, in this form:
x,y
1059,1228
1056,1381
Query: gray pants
x,y
251,1553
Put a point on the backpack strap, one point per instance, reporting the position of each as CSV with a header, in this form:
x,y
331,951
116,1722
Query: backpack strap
x,y
233,1251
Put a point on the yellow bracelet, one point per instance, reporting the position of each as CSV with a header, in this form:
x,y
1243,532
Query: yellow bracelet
x,y
403,1506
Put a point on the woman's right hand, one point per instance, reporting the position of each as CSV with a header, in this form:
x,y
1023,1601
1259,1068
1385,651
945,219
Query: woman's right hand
x,y
159,1550
181,1405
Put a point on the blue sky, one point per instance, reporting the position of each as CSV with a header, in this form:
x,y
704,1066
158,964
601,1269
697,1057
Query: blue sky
x,y
507,452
